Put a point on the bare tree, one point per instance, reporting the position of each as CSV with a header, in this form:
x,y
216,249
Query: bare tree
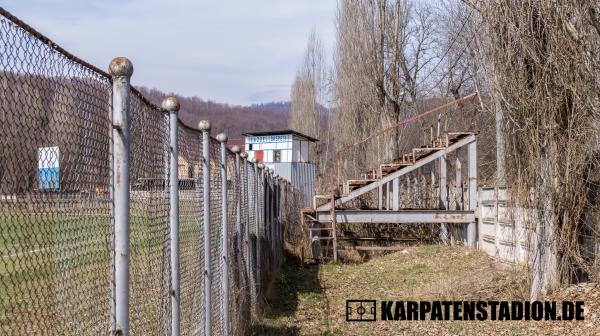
x,y
542,65
308,113
383,49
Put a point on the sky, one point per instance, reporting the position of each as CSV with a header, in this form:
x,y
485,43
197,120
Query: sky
x,y
231,51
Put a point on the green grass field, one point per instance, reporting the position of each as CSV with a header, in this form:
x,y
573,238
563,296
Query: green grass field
x,y
55,271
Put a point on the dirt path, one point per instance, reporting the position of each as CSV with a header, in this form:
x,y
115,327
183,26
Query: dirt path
x,y
311,300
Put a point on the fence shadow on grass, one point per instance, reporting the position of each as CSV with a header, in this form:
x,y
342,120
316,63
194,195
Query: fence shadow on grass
x,y
292,280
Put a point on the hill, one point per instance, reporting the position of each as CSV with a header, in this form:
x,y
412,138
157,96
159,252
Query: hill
x,y
232,119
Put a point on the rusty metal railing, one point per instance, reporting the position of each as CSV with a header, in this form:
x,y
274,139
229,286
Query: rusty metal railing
x,y
441,128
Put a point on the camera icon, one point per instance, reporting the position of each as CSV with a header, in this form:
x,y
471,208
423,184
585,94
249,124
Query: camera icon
x,y
361,310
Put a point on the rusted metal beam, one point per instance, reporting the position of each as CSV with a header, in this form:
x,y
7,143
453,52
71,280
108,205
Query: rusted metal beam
x,y
371,186
400,217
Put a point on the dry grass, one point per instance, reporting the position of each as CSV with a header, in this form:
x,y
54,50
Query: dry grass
x,y
311,300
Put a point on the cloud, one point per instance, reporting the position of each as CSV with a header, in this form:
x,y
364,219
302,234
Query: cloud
x,y
229,51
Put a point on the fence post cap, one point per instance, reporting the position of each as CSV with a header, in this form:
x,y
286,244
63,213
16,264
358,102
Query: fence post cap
x,y
221,137
235,149
120,67
204,125
244,154
171,104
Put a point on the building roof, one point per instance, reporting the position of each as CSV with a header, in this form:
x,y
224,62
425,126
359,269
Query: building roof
x,y
282,132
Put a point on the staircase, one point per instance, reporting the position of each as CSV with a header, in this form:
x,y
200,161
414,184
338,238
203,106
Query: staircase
x,y
319,222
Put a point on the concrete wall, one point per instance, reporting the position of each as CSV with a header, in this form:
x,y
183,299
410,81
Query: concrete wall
x,y
503,231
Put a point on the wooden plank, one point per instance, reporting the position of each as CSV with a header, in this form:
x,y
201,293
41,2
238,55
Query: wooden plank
x,y
389,167
360,182
459,134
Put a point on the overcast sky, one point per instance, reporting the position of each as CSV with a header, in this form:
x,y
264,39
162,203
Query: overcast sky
x,y
230,51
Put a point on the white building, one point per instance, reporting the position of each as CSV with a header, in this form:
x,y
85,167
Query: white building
x,y
287,152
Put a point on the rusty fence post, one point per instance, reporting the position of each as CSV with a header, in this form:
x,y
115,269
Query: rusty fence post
x,y
204,127
120,70
172,106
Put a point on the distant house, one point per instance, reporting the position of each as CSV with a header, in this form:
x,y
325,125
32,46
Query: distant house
x,y
287,152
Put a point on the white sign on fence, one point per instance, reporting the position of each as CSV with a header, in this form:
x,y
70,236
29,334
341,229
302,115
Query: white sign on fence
x,y
49,167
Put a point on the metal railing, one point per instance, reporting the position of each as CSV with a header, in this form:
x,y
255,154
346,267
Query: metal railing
x,y
117,219
387,144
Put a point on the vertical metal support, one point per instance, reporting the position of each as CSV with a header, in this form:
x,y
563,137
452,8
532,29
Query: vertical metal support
x,y
252,250
334,226
396,194
423,187
471,228
237,187
407,193
121,70
458,194
275,219
267,207
458,180
390,195
260,184
222,138
433,197
414,188
380,197
443,198
273,215
384,194
204,126
172,105
246,196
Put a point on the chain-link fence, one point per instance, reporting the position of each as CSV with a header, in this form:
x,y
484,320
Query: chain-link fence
x,y
105,214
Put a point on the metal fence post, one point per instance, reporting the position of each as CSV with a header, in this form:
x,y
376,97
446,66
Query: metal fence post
x,y
204,126
253,255
238,204
121,70
259,223
246,196
270,214
222,138
172,105
277,217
